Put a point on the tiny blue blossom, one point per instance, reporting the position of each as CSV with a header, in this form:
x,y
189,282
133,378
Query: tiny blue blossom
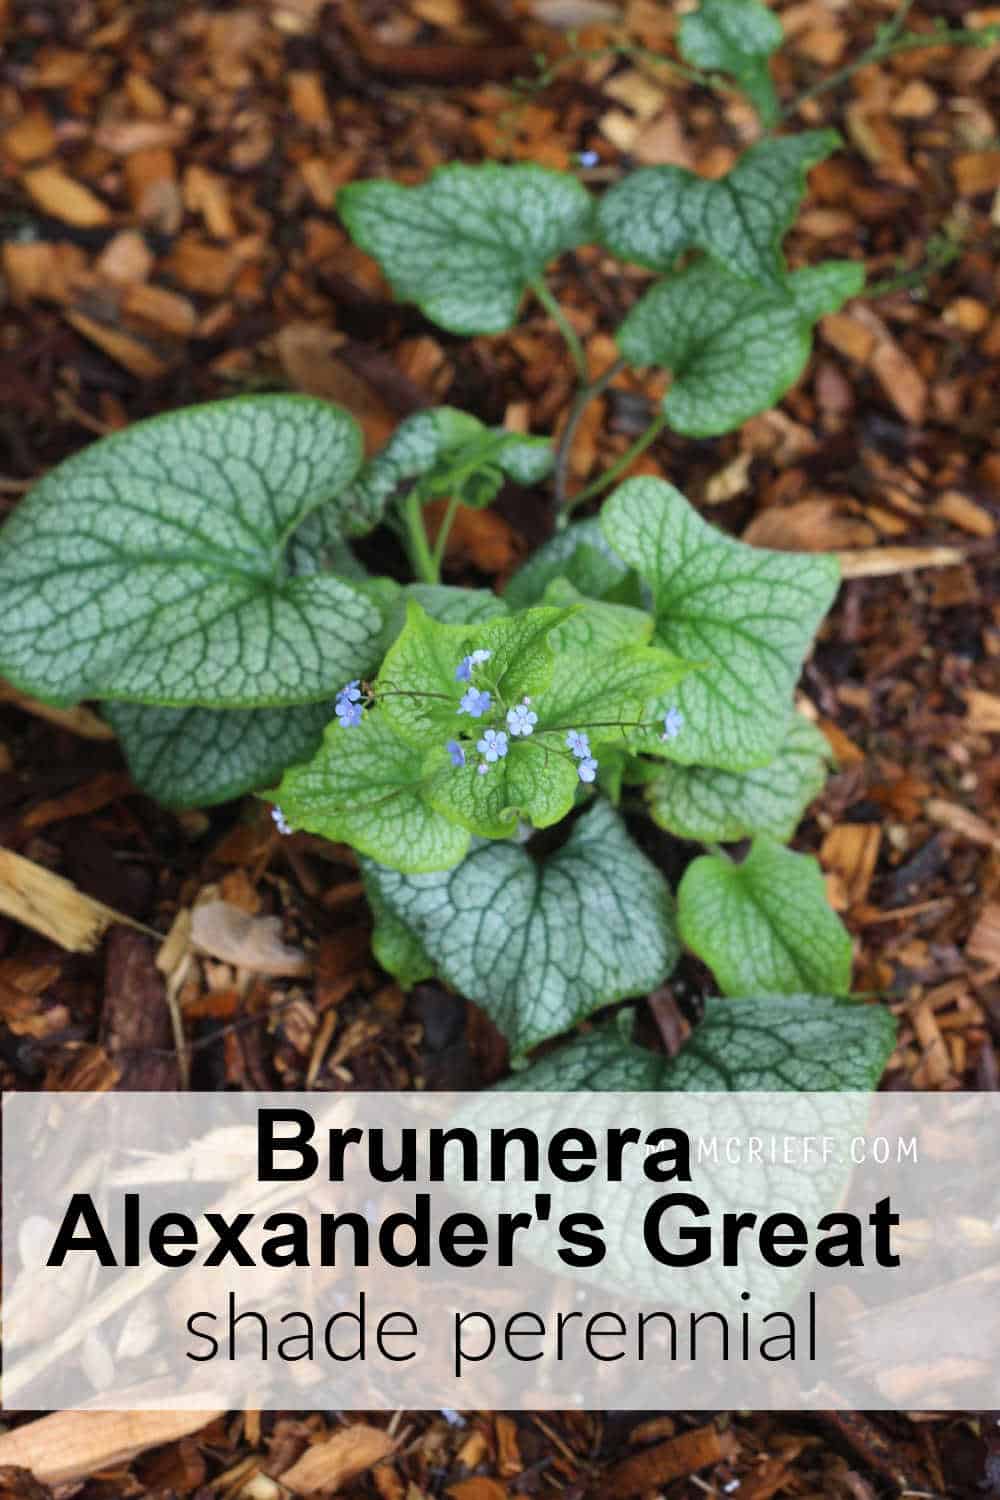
x,y
587,158
587,769
482,768
348,713
463,671
347,705
493,745
520,719
475,702
578,742
673,723
456,752
280,821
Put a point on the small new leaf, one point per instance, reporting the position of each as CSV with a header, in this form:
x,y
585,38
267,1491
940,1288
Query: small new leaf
x,y
150,567
734,346
745,615
699,802
764,926
196,757
541,946
652,215
768,1044
736,37
466,244
365,787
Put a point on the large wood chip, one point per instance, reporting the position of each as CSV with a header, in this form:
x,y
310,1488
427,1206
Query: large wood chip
x,y
984,939
850,851
124,348
675,1459
984,711
478,1487
326,1467
968,825
48,904
78,720
883,562
223,931
65,198
70,1445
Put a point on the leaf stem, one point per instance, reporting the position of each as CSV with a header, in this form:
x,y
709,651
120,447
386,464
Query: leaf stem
x,y
444,531
421,556
562,322
642,442
583,399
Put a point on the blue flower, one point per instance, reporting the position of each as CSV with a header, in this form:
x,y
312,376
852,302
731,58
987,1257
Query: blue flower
x,y
463,671
456,752
578,742
673,723
520,719
280,821
587,769
482,768
348,713
493,745
475,702
347,705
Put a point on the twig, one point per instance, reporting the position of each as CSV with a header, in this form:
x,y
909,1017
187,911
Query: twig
x,y
582,401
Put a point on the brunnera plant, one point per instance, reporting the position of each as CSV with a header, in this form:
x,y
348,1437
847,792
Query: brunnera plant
x,y
195,574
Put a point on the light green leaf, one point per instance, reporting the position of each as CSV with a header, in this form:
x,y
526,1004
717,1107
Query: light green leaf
x,y
466,244
768,1044
734,347
736,37
745,614
697,802
195,757
537,779
365,787
397,949
453,606
417,684
764,926
604,694
541,946
652,215
150,566
595,626
580,554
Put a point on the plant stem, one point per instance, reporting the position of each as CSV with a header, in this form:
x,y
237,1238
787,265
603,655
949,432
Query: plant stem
x,y
443,532
583,400
891,44
555,312
609,476
418,546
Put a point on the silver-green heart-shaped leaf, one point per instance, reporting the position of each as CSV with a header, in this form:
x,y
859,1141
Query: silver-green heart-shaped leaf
x,y
195,757
151,567
540,946
652,215
699,802
736,37
764,926
764,1044
365,787
744,615
734,347
466,244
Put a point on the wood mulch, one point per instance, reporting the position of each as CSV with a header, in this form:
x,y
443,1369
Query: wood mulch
x,y
167,171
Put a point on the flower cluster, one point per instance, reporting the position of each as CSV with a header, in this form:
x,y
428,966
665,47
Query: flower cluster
x,y
579,744
347,705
